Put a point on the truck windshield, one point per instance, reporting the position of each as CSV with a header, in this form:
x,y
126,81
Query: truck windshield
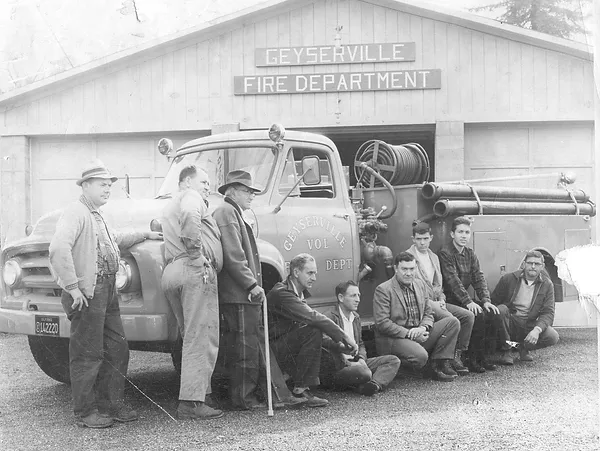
x,y
258,161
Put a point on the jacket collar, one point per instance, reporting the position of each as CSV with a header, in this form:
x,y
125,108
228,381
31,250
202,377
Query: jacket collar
x,y
290,287
229,200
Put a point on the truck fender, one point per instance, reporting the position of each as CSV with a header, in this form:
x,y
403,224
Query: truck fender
x,y
270,256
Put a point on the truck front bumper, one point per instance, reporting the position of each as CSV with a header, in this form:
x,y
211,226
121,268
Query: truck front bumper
x,y
137,327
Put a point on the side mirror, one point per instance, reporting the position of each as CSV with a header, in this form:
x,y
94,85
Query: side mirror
x,y
311,170
165,147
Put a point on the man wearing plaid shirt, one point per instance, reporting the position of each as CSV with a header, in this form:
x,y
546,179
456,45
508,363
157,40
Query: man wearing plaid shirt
x,y
460,270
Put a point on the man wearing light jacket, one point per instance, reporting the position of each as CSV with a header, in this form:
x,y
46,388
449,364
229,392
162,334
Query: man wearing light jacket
x,y
84,256
525,299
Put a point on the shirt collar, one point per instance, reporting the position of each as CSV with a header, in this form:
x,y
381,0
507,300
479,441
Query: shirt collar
x,y
88,203
305,294
352,315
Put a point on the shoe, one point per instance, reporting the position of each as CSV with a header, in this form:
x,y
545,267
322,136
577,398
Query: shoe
x,y
445,367
458,365
475,367
311,400
210,402
290,403
369,388
195,410
439,375
95,421
524,355
506,358
487,365
118,412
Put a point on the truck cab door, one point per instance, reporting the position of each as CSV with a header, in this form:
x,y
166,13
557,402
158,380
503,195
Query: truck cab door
x,y
317,219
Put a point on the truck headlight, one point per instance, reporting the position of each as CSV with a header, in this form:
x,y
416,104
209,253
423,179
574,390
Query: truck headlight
x,y
11,273
124,276
128,276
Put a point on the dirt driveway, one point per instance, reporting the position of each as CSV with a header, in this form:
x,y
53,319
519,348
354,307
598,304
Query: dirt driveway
x,y
550,404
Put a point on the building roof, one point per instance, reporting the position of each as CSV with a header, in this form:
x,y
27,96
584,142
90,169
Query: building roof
x,y
160,46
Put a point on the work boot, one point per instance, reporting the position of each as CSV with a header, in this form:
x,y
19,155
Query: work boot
x,y
119,412
368,388
458,365
439,374
506,358
446,367
196,410
311,400
524,355
487,365
95,421
474,366
289,403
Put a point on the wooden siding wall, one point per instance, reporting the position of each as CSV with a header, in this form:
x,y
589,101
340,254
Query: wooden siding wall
x,y
484,79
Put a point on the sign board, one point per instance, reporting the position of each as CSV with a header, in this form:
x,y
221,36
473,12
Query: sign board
x,y
331,54
338,82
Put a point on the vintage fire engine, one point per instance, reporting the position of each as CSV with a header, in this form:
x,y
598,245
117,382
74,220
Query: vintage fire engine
x,y
306,205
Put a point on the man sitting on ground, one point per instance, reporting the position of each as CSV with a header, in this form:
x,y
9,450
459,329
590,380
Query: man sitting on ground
x,y
525,299
296,330
367,375
428,270
404,322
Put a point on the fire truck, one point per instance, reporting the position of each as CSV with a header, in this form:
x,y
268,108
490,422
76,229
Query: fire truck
x,y
306,204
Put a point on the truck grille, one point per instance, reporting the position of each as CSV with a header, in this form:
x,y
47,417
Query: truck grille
x,y
36,271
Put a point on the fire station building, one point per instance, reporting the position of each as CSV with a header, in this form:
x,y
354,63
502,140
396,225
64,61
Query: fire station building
x,y
483,98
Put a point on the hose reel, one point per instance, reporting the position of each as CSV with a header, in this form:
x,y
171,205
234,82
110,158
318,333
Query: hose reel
x,y
405,164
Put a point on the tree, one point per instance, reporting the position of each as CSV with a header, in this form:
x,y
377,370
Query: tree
x,y
562,18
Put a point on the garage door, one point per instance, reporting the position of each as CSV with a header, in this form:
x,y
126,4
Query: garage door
x,y
521,149
56,163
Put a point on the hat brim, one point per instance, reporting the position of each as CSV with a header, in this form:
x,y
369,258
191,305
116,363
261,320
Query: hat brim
x,y
223,188
111,178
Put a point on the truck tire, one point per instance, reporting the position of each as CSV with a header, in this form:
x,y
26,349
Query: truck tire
x,y
52,356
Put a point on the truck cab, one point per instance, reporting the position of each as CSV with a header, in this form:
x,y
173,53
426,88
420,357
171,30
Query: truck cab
x,y
303,206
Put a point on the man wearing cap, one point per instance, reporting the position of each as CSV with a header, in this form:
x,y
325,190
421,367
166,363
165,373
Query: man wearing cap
x,y
84,255
241,297
194,256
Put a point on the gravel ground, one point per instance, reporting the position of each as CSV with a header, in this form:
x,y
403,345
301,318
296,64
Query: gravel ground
x,y
550,404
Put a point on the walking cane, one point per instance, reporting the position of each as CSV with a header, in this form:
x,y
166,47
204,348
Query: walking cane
x,y
267,359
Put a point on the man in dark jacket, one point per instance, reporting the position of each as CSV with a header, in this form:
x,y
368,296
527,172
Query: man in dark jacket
x,y
367,375
525,299
241,297
295,329
461,270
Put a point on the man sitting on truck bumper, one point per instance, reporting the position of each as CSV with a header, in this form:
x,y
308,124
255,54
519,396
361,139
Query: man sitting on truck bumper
x,y
296,330
404,323
367,375
460,270
429,271
525,299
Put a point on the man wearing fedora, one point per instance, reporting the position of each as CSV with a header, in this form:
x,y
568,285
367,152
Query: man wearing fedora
x,y
241,297
194,256
84,255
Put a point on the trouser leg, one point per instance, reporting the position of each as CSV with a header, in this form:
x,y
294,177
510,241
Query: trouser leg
x,y
467,320
241,323
519,330
299,353
409,352
384,368
549,337
113,371
86,349
355,374
199,301
441,343
503,321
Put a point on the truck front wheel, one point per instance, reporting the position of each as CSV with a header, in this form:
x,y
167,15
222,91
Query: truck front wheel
x,y
52,356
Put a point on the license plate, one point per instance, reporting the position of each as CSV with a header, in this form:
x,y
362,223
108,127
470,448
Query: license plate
x,y
47,325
